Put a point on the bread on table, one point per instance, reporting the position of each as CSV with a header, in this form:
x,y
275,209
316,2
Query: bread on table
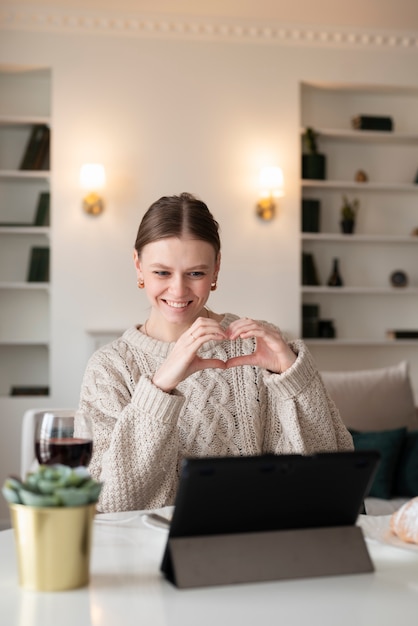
x,y
404,522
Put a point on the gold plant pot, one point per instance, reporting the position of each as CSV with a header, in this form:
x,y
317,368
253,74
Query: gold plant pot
x,y
53,546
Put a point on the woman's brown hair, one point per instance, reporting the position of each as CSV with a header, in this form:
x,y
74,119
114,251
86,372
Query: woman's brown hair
x,y
176,216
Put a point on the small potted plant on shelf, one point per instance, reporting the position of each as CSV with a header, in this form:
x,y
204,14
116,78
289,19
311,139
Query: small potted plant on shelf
x,y
313,162
52,514
349,211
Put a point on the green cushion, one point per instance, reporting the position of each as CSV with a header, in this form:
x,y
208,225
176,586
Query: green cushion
x,y
406,483
389,444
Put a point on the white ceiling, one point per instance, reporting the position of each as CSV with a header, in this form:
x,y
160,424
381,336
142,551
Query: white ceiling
x,y
379,14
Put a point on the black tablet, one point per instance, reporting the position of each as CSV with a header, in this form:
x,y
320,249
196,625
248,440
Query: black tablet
x,y
270,492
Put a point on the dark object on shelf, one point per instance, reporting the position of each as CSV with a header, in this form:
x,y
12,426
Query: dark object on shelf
x,y
309,273
372,122
402,334
361,177
42,210
34,390
39,265
310,310
41,213
313,163
326,329
310,328
347,226
335,279
311,211
314,167
36,155
349,211
310,321
399,278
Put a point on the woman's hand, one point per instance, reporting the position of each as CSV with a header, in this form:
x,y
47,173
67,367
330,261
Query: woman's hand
x,y
271,352
183,359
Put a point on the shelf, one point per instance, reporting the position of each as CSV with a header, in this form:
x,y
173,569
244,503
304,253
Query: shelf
x,y
362,291
365,135
346,184
25,174
19,121
399,343
340,238
27,401
25,285
24,230
24,344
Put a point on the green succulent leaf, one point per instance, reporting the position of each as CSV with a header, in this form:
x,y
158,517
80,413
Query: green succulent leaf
x,y
53,485
38,499
72,497
11,495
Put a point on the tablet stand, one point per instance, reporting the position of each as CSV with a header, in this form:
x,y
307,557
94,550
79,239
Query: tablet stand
x,y
265,556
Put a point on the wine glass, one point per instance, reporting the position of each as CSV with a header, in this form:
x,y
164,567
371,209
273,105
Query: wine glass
x,y
55,441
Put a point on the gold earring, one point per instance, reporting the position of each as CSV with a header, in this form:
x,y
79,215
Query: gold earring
x,y
213,286
140,284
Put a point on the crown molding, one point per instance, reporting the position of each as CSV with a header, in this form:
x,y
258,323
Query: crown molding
x,y
175,27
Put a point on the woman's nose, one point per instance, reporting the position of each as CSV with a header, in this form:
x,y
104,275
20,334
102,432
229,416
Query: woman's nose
x,y
178,285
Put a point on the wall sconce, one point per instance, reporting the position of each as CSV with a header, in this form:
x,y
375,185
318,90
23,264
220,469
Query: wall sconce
x,y
271,188
92,180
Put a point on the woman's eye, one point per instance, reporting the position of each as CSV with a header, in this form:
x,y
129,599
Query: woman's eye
x,y
162,273
197,274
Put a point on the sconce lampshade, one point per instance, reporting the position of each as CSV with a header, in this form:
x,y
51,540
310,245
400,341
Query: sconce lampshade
x,y
271,187
92,180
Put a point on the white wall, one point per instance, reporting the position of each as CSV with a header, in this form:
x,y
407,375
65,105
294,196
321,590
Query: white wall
x,y
167,115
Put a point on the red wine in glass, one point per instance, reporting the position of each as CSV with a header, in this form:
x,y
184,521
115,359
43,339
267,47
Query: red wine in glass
x,y
71,451
57,443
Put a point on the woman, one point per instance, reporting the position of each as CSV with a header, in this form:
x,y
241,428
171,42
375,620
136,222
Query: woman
x,y
191,382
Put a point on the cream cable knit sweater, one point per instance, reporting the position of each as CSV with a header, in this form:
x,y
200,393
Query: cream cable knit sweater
x,y
141,433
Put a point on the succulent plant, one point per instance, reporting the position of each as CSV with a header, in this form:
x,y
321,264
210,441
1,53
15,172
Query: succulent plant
x,y
53,485
310,141
349,209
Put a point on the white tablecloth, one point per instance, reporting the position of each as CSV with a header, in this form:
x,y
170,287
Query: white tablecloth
x,y
127,588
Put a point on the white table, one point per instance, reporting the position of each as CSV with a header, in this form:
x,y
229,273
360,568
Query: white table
x,y
127,589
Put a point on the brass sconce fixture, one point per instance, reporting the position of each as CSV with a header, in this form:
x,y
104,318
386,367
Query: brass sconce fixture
x,y
92,180
271,188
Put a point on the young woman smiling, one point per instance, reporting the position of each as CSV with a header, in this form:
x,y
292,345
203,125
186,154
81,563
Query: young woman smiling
x,y
191,382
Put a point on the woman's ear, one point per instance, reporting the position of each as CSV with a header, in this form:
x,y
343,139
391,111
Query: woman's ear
x,y
139,276
136,259
137,263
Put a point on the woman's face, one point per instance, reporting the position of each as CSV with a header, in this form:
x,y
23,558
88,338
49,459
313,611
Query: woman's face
x,y
177,275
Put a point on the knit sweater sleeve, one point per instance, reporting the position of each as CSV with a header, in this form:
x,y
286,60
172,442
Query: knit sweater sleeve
x,y
135,447
308,419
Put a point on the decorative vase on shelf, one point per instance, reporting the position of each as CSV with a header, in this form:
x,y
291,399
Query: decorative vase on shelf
x,y
335,279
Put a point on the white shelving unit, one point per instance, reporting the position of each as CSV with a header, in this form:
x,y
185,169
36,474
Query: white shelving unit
x,y
367,305
359,187
24,306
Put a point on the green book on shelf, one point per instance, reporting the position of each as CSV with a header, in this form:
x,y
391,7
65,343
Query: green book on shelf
x,y
32,390
402,334
39,265
42,210
37,149
309,272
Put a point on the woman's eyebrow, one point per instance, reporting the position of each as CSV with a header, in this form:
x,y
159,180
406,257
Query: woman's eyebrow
x,y
188,269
